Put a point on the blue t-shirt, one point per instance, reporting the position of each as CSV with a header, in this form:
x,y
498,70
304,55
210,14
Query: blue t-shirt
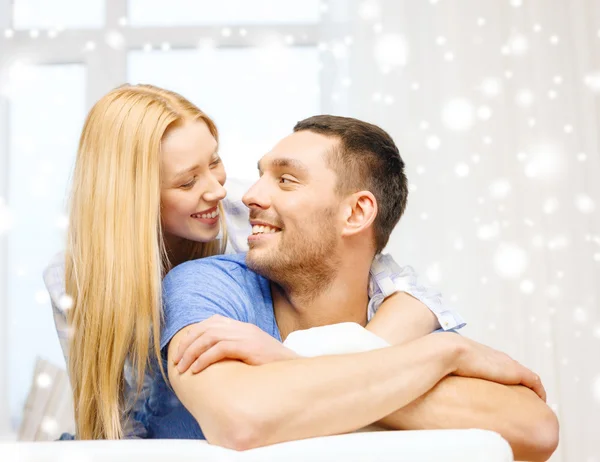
x,y
193,292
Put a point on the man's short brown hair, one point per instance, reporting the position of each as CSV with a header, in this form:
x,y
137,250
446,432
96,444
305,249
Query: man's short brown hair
x,y
365,159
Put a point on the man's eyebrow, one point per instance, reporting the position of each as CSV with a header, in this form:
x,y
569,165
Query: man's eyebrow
x,y
286,162
194,167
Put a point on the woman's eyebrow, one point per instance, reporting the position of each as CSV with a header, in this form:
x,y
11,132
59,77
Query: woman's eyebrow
x,y
194,167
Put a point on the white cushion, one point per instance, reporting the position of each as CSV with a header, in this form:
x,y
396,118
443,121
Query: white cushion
x,y
392,446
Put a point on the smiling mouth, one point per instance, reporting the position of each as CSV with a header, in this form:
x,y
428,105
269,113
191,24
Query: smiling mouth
x,y
207,216
264,229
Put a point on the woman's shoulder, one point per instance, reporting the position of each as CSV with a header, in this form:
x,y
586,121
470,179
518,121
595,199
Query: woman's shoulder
x,y
54,278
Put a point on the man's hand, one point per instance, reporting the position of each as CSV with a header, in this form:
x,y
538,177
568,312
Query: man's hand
x,y
219,338
479,361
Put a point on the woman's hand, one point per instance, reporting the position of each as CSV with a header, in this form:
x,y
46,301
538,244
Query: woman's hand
x,y
480,361
219,338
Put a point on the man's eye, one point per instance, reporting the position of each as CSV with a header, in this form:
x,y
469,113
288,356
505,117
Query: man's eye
x,y
215,162
284,180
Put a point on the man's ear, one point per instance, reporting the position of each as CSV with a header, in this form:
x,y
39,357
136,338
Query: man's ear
x,y
359,213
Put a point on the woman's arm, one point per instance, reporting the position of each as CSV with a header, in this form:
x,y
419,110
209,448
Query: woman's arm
x,y
400,308
402,318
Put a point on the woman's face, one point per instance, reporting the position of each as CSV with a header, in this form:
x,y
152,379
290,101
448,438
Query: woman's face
x,y
192,183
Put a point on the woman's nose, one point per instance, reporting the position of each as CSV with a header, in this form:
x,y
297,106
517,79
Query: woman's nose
x,y
215,192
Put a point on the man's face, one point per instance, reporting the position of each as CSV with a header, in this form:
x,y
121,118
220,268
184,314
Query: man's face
x,y
295,212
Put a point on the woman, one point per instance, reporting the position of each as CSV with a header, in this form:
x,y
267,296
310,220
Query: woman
x,y
147,195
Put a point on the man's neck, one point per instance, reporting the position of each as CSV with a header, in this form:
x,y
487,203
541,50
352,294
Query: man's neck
x,y
345,299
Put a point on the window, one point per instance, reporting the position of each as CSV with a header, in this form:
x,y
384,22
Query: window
x,y
46,114
223,12
58,14
255,96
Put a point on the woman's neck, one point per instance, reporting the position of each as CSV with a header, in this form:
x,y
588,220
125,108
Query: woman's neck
x,y
176,249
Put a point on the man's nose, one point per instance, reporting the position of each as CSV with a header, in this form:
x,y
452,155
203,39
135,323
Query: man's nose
x,y
256,196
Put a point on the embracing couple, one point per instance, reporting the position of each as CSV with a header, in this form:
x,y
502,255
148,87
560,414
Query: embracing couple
x,y
185,313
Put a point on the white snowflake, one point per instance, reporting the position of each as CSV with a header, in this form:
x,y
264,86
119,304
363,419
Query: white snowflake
x,y
524,98
369,10
462,170
558,242
500,188
510,260
580,315
491,87
545,163
519,44
433,143
391,50
49,426
584,203
592,80
550,205
115,40
553,291
434,273
458,114
65,302
484,112
488,232
43,380
527,286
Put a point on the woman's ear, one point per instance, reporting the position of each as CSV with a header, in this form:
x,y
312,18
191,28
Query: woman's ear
x,y
359,213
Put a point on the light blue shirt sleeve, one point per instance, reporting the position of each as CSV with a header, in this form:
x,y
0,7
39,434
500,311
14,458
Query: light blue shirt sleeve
x,y
198,289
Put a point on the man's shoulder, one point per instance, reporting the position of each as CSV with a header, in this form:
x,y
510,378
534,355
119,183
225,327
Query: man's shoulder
x,y
216,264
223,270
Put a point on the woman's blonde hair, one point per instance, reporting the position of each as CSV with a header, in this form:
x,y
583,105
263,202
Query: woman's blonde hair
x,y
115,254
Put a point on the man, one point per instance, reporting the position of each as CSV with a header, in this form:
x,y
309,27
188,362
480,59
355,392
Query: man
x,y
326,202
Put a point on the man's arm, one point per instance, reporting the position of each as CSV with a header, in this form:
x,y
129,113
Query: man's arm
x,y
241,406
515,412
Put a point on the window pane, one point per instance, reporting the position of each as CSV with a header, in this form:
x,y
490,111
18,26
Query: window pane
x,y
46,115
192,12
255,96
57,14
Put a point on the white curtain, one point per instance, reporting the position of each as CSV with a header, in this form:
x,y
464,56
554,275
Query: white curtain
x,y
494,106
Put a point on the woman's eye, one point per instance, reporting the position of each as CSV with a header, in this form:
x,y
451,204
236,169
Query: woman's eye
x,y
189,184
215,162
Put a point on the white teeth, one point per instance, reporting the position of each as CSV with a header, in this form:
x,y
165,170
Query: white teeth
x,y
213,214
259,229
